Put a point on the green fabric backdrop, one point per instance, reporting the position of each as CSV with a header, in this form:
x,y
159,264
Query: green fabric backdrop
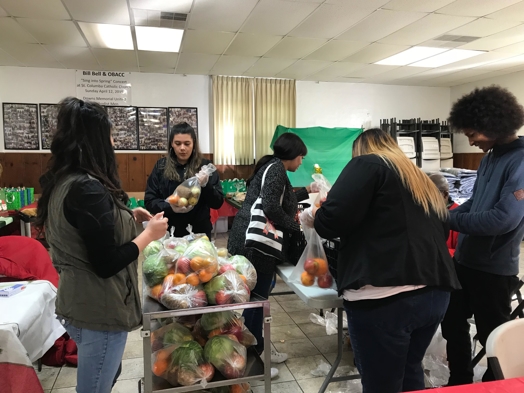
x,y
328,147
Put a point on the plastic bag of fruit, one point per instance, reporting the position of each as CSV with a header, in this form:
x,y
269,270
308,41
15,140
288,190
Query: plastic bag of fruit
x,y
243,267
156,267
182,295
172,334
175,245
312,267
183,364
152,248
324,186
224,323
199,263
227,355
227,288
194,236
187,194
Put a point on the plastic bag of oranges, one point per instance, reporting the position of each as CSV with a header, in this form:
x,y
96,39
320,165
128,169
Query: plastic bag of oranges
x,y
187,194
312,267
199,263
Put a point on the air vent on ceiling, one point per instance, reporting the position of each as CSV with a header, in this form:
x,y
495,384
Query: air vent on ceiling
x,y
456,38
173,16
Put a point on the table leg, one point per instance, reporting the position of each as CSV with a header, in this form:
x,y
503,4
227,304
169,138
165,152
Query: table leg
x,y
267,347
340,346
27,229
22,228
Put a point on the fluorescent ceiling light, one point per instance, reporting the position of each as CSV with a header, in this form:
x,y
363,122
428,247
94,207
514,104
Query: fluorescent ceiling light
x,y
451,56
107,36
158,39
412,55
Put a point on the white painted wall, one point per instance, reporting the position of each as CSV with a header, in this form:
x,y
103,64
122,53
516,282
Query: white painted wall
x,y
318,104
513,82
331,104
45,85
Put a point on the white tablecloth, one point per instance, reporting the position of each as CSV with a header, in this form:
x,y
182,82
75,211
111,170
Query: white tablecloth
x,y
30,315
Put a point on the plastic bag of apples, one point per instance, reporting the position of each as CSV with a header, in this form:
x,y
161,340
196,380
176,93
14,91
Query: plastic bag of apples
x,y
312,267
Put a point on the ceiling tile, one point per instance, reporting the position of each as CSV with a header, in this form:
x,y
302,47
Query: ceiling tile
x,y
266,67
509,62
369,4
295,47
233,65
43,9
11,32
456,76
425,29
53,32
499,40
157,59
397,73
302,68
103,36
475,7
195,63
513,48
276,17
330,20
380,24
157,70
337,70
336,50
2,12
73,57
483,27
246,44
7,60
31,55
117,60
375,52
182,6
99,11
204,41
370,70
416,5
224,15
475,61
514,12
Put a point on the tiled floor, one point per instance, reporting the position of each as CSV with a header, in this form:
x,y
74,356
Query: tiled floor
x,y
291,332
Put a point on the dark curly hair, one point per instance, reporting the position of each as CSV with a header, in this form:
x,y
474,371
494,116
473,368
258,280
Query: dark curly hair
x,y
492,111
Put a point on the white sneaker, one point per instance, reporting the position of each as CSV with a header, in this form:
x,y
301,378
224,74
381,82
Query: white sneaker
x,y
274,372
277,357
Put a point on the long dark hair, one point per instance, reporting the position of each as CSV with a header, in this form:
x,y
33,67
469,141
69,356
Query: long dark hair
x,y
195,159
81,144
288,146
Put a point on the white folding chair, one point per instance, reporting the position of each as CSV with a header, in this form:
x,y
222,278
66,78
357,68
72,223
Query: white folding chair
x,y
505,350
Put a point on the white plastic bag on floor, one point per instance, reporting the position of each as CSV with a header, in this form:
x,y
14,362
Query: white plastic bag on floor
x,y
330,321
437,347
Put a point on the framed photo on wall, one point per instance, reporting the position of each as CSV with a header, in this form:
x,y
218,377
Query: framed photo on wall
x,y
48,116
20,126
152,128
125,126
182,114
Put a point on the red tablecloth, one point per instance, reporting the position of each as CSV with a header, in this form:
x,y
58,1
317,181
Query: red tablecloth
x,y
515,385
226,210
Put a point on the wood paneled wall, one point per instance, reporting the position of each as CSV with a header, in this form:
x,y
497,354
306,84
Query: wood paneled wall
x,y
467,160
24,169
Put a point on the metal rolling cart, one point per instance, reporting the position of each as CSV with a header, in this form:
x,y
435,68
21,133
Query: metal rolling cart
x,y
256,369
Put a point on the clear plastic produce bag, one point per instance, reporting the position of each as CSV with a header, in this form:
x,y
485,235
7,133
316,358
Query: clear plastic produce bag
x,y
224,323
199,263
324,187
243,267
187,194
227,355
227,288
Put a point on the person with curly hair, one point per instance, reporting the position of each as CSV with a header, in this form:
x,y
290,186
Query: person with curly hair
x,y
490,223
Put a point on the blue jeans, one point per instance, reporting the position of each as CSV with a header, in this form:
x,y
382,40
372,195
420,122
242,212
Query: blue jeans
x,y
99,358
389,341
254,317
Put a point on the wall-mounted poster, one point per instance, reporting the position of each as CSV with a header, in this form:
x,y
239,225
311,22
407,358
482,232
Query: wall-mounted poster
x,y
48,116
20,126
179,115
125,127
152,128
